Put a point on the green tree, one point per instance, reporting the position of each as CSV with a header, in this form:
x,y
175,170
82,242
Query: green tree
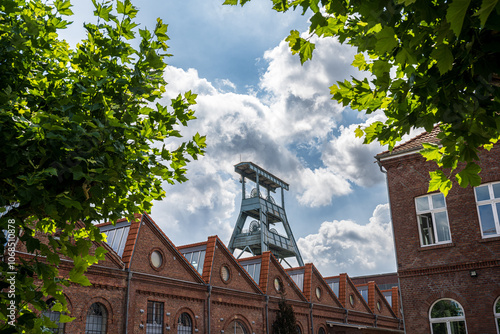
x,y
285,322
445,60
82,141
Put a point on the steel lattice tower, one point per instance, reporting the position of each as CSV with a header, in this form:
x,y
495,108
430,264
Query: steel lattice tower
x,y
261,236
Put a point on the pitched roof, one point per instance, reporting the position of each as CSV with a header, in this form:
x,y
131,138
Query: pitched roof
x,y
414,144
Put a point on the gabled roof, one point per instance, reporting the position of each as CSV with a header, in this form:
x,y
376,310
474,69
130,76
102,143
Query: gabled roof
x,y
265,271
213,243
414,144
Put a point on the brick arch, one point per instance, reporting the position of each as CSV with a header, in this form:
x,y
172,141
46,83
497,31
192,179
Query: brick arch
x,y
103,301
316,330
188,311
445,294
240,318
298,323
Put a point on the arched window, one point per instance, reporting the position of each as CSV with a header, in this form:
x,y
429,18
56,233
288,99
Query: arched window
x,y
497,314
184,324
321,330
237,327
54,317
97,317
297,329
447,317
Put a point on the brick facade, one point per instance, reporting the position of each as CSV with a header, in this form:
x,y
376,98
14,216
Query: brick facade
x,y
214,296
433,272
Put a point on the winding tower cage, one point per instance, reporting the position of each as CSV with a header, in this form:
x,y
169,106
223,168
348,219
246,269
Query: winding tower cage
x,y
261,214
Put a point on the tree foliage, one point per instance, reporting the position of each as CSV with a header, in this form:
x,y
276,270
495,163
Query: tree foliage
x,y
428,62
82,140
285,322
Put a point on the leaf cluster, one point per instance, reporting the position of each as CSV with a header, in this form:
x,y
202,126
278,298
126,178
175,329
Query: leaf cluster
x,y
83,138
427,62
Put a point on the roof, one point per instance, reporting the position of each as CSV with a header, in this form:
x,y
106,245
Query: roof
x,y
266,179
414,144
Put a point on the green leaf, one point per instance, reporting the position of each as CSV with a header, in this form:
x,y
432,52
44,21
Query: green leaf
x,y
469,175
442,54
431,152
306,51
386,40
359,61
440,182
484,12
456,13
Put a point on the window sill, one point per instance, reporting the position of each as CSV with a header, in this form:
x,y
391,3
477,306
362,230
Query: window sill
x,y
425,248
490,239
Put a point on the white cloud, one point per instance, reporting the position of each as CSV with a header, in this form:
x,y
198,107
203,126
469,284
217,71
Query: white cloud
x,y
346,246
351,159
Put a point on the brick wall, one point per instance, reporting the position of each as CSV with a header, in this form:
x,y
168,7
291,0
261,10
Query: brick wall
x,y
443,271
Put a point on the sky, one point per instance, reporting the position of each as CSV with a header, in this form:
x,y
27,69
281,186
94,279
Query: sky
x,y
257,103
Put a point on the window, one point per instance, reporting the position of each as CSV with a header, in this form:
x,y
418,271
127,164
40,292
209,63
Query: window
x,y
496,310
156,259
297,329
196,257
184,324
253,269
278,286
447,317
225,274
54,317
488,208
321,330
154,323
433,219
236,327
96,319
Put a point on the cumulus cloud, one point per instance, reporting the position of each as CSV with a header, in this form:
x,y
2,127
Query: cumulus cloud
x,y
351,159
277,128
347,246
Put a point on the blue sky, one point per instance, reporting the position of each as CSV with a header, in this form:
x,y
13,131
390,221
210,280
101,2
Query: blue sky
x,y
257,103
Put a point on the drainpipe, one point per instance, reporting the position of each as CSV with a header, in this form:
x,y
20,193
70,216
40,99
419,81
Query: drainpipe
x,y
346,318
208,307
312,320
394,240
267,314
129,278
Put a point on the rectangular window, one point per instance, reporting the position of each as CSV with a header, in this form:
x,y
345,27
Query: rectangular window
x,y
154,323
434,227
488,208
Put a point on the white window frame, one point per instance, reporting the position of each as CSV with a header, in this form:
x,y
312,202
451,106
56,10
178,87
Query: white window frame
x,y
497,315
432,211
492,202
447,320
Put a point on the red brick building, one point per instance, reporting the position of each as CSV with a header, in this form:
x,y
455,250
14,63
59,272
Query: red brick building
x,y
447,249
148,285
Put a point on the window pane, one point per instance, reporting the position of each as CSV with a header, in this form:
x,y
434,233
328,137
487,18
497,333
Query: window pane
x,y
438,201
496,190
497,307
446,308
458,327
482,193
426,229
422,204
443,230
202,261
257,273
439,328
487,220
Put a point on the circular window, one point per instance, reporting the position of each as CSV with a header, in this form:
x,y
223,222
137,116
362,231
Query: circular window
x,y
224,273
318,293
351,299
278,285
156,259
378,306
